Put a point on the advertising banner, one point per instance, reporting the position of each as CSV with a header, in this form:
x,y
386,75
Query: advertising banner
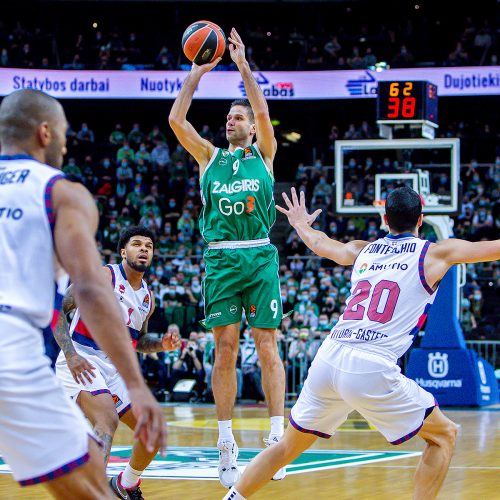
x,y
285,85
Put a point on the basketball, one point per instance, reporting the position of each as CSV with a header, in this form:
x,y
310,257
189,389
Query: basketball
x,y
203,42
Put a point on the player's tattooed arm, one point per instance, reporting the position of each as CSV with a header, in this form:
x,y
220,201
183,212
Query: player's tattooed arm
x,y
61,331
149,343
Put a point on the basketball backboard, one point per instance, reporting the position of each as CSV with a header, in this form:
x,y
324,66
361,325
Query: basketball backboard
x,y
367,170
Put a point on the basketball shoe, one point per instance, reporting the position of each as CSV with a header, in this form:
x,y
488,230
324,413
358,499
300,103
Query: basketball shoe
x,y
273,439
228,467
134,493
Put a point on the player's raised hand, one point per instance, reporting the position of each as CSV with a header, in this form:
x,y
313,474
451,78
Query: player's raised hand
x,y
150,428
205,68
297,212
171,341
236,47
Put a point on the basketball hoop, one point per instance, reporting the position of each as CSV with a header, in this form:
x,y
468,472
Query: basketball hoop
x,y
380,206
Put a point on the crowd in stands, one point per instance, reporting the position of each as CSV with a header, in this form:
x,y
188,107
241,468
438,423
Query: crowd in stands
x,y
358,38
137,178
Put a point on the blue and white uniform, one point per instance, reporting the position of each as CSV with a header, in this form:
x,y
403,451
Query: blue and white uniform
x,y
42,433
356,366
135,306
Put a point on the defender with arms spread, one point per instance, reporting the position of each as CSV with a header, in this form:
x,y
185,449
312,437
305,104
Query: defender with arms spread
x,y
394,282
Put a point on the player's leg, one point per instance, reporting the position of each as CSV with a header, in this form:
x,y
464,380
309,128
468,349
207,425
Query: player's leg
x,y
273,384
87,482
262,302
223,309
93,397
265,465
227,344
273,371
400,409
224,388
100,410
439,433
317,413
127,484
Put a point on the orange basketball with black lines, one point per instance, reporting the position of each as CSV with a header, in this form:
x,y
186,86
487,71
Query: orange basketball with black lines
x,y
203,42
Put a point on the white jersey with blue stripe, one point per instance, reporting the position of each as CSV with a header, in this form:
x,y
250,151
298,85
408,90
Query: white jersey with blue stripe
x,y
134,304
28,271
389,299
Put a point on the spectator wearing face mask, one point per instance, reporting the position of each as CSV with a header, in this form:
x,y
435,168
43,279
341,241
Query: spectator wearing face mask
x,y
142,154
125,153
117,137
136,136
160,156
85,135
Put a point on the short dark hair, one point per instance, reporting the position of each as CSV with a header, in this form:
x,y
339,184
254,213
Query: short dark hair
x,y
21,112
403,208
245,103
132,231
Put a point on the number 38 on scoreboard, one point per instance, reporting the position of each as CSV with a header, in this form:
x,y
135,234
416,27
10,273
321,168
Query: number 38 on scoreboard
x,y
407,102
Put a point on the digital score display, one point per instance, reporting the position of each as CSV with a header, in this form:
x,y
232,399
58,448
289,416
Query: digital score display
x,y
407,101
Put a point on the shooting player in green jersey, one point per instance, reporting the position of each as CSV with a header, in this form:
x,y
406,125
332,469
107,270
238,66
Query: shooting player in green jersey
x,y
240,262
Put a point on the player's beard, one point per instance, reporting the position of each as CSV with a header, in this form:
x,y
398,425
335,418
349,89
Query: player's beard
x,y
137,266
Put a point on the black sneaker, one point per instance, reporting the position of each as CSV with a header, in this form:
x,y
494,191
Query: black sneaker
x,y
134,493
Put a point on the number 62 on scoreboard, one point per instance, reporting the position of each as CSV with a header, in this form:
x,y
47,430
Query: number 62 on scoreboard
x,y
407,102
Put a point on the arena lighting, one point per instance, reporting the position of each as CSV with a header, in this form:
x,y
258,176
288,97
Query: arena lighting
x,y
94,25
379,67
292,136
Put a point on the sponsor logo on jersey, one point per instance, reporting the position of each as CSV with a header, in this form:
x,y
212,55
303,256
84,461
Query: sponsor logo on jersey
x,y
214,315
223,161
236,186
116,400
248,154
397,266
233,309
145,302
253,310
121,288
363,268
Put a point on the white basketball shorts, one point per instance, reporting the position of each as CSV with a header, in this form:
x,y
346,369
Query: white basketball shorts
x,y
107,379
342,379
43,434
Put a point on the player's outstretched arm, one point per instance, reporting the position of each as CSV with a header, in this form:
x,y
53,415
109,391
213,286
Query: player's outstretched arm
x,y
265,132
200,148
298,217
441,256
149,343
76,222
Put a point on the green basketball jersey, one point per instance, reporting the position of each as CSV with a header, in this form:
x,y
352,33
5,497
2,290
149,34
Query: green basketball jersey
x,y
237,195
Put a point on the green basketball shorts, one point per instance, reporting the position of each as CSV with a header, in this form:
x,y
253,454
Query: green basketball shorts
x,y
242,278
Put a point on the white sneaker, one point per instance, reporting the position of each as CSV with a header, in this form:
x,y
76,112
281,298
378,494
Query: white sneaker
x,y
228,467
273,439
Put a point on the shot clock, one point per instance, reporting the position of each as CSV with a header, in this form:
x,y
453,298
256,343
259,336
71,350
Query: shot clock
x,y
407,102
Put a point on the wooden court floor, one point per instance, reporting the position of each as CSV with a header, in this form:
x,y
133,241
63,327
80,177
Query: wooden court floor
x,y
474,472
